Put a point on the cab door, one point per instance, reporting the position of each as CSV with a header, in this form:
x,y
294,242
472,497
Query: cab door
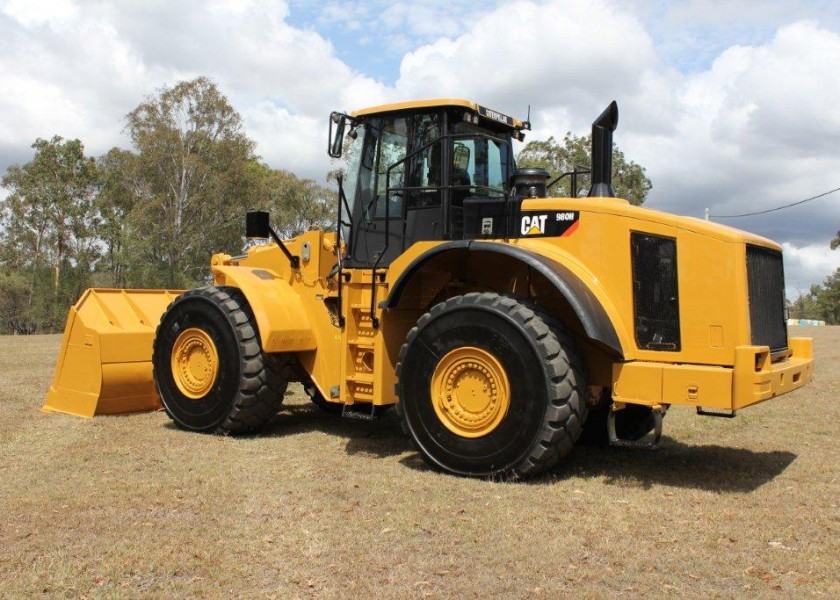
x,y
378,211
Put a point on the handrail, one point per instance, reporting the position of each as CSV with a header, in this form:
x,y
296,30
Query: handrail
x,y
342,198
579,170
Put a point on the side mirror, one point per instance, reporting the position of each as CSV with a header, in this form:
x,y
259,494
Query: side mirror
x,y
336,139
256,225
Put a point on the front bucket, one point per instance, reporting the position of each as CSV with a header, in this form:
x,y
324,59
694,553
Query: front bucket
x,y
105,363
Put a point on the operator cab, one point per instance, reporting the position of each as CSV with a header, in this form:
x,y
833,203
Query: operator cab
x,y
412,167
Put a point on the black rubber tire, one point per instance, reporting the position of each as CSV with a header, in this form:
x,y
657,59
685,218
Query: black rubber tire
x,y
632,423
250,384
545,373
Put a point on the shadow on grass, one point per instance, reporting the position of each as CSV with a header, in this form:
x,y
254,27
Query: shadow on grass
x,y
380,437
702,467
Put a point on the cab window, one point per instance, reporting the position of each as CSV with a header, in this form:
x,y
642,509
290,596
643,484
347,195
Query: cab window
x,y
391,145
482,162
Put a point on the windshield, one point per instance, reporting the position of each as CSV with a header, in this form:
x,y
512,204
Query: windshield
x,y
352,158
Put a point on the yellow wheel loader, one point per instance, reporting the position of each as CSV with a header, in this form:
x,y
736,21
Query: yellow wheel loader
x,y
503,324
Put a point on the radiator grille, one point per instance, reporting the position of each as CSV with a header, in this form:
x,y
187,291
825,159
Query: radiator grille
x,y
766,282
655,293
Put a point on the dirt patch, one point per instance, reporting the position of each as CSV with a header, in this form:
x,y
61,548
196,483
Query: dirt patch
x,y
319,506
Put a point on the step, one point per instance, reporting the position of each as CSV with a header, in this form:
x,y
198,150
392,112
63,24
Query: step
x,y
366,343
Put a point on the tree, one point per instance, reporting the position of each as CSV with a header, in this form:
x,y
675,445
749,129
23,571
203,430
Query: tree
x,y
50,221
192,156
296,205
628,178
121,190
828,299
14,305
805,305
820,302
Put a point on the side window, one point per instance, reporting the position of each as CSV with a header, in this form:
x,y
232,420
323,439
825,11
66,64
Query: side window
x,y
497,164
391,149
424,165
481,162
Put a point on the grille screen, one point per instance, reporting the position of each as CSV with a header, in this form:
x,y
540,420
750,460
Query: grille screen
x,y
767,298
655,296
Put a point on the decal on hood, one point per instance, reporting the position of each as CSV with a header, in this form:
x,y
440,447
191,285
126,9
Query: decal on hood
x,y
553,223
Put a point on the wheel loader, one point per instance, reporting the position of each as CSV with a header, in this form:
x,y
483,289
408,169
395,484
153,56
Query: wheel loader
x,y
503,324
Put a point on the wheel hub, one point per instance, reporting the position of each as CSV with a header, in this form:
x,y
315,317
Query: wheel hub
x,y
470,392
195,363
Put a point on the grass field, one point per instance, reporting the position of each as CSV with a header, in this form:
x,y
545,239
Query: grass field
x,y
318,506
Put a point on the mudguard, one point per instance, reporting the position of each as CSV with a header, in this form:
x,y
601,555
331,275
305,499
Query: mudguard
x,y
278,310
588,309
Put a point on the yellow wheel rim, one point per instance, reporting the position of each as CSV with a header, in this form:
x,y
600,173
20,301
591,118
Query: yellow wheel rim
x,y
195,363
470,392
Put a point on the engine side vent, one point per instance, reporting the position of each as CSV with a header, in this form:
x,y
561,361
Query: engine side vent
x,y
766,282
655,292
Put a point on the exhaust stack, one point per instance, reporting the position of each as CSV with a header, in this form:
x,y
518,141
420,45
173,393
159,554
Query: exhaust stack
x,y
602,129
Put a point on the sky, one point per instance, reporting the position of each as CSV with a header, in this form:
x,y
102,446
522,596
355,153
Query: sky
x,y
732,106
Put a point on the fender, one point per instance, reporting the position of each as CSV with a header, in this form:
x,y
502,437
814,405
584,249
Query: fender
x,y
589,310
278,310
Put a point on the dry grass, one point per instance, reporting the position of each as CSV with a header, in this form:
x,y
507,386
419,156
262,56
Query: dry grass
x,y
317,506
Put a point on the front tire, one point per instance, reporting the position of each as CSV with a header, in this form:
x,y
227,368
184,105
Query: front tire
x,y
490,387
209,367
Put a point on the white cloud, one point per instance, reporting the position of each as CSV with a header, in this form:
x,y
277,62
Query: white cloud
x,y
32,14
756,127
566,54
285,139
807,265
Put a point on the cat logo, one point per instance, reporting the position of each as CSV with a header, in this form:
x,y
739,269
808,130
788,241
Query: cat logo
x,y
561,223
533,225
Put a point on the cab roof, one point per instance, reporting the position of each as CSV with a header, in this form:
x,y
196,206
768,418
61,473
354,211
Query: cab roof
x,y
477,109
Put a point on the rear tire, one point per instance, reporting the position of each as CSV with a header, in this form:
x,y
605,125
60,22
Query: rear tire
x,y
490,387
209,367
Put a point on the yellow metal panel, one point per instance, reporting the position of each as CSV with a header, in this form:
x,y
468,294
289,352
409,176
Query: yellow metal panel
x,y
77,380
752,375
128,384
724,232
697,385
801,347
754,378
282,321
638,383
610,285
758,379
713,298
414,104
653,383
711,271
316,295
104,365
421,104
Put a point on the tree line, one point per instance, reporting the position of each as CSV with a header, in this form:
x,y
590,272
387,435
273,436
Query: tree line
x,y
820,302
147,217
